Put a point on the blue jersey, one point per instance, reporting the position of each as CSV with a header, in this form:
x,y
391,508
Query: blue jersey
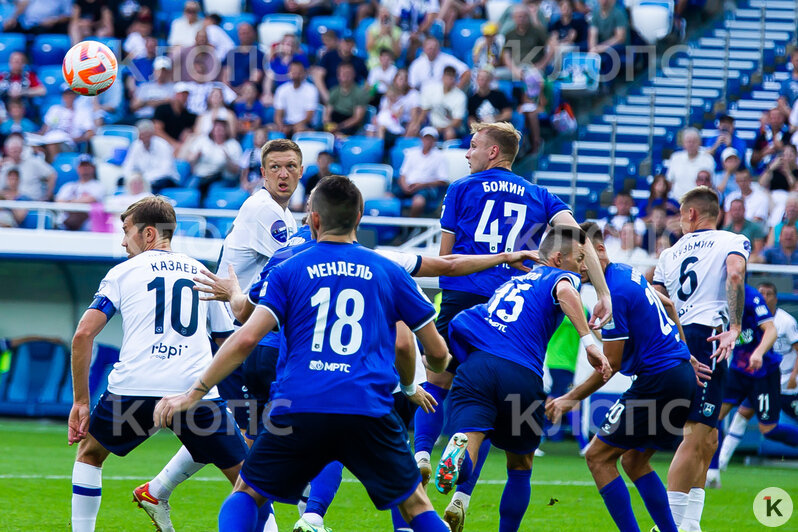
x,y
491,212
755,313
338,305
518,321
298,243
652,342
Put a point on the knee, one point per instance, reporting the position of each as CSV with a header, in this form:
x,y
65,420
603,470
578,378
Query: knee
x,y
594,459
416,504
90,456
633,465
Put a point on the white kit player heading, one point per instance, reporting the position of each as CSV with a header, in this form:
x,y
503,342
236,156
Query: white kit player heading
x,y
684,268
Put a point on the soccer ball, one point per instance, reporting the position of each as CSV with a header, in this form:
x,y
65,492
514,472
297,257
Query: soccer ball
x,y
89,68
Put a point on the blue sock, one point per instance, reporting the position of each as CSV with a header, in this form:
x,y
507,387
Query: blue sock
x,y
617,500
239,513
323,488
656,500
399,522
428,522
786,434
467,486
429,426
263,515
515,499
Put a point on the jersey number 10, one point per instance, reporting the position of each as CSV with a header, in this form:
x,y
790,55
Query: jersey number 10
x,y
494,238
159,285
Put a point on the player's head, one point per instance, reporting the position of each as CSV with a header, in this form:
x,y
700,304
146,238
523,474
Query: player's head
x,y
281,168
149,223
492,145
699,210
564,248
335,207
769,294
596,236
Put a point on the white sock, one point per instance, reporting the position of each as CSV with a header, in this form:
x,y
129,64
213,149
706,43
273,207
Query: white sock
x,y
462,497
87,483
692,516
732,440
678,503
422,454
179,469
313,519
271,523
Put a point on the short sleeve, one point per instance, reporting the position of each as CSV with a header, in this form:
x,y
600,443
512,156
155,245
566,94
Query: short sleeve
x,y
311,101
274,298
552,204
412,306
279,99
449,210
739,245
220,324
408,261
107,299
659,276
271,232
761,311
571,278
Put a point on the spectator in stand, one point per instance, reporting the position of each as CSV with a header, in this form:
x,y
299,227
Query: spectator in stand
x,y
611,225
87,189
451,10
445,105
323,163
383,34
214,157
624,248
135,44
39,16
126,13
148,96
726,138
308,8
488,104
757,201
770,141
430,65
245,62
197,62
20,81
36,177
738,224
248,109
785,253
10,192
415,18
424,175
346,107
216,110
198,91
251,178
782,172
184,29
173,121
142,69
325,75
684,165
487,49
609,34
134,188
400,109
295,102
218,39
381,76
788,92
66,124
569,30
152,157
659,194
16,122
526,43
790,218
724,182
90,18
657,228
285,52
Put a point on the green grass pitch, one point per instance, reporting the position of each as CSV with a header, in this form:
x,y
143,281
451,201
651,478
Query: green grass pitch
x,y
36,465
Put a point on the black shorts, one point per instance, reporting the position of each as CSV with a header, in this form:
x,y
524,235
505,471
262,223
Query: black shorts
x,y
233,390
707,401
120,423
453,302
652,412
789,405
763,394
405,408
375,450
500,398
258,372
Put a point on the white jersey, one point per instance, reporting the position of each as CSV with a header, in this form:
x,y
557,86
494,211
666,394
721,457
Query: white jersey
x,y
261,228
787,329
693,272
165,346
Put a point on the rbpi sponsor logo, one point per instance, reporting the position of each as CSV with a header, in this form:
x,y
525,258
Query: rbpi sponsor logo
x,y
165,352
773,507
318,365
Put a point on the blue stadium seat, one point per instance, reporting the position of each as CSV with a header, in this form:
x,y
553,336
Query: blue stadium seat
x,y
321,24
52,78
262,8
128,132
219,227
6,11
103,358
247,141
31,221
35,379
398,151
360,33
230,24
50,49
225,198
465,33
65,165
311,143
9,43
382,207
183,170
183,197
371,168
190,226
358,149
173,7
114,44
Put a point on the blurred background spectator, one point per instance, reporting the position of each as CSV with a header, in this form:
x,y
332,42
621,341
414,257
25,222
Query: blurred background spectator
x,y
659,193
346,107
173,121
726,138
444,105
724,181
183,31
773,135
684,165
488,48
213,157
295,102
151,94
36,177
383,34
9,191
657,228
609,35
216,110
757,201
249,110
87,189
790,218
526,43
625,248
325,75
424,175
431,65
381,76
250,163
246,62
487,104
17,122
738,224
570,30
65,124
90,17
39,16
611,226
19,81
284,53
152,157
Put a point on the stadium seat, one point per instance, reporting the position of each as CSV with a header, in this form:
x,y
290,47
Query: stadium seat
x,y
103,358
398,151
382,207
223,8
319,25
458,164
6,11
114,44
103,146
9,43
465,33
36,219
190,226
652,19
65,165
360,33
358,149
109,175
312,143
219,227
225,198
368,168
371,186
276,25
261,8
36,375
182,197
128,132
171,7
230,24
183,170
496,8
49,49
52,78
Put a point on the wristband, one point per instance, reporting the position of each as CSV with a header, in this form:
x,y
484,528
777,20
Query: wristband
x,y
587,340
408,390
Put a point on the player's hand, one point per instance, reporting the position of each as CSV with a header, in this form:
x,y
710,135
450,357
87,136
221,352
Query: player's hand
x,y
755,362
726,341
602,313
703,373
78,422
423,399
791,383
516,259
167,407
218,288
557,408
599,362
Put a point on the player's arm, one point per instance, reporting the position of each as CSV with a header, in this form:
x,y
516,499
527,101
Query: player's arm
x,y
229,290
571,304
603,309
670,309
458,265
230,355
447,243
735,297
90,325
435,351
769,337
791,380
406,367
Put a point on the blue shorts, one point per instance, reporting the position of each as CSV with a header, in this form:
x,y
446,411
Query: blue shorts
x,y
375,450
789,405
652,412
707,400
561,381
453,302
503,399
120,423
763,394
233,390
258,372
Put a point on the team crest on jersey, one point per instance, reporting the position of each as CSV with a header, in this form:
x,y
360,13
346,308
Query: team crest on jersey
x,y
747,245
279,231
708,409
